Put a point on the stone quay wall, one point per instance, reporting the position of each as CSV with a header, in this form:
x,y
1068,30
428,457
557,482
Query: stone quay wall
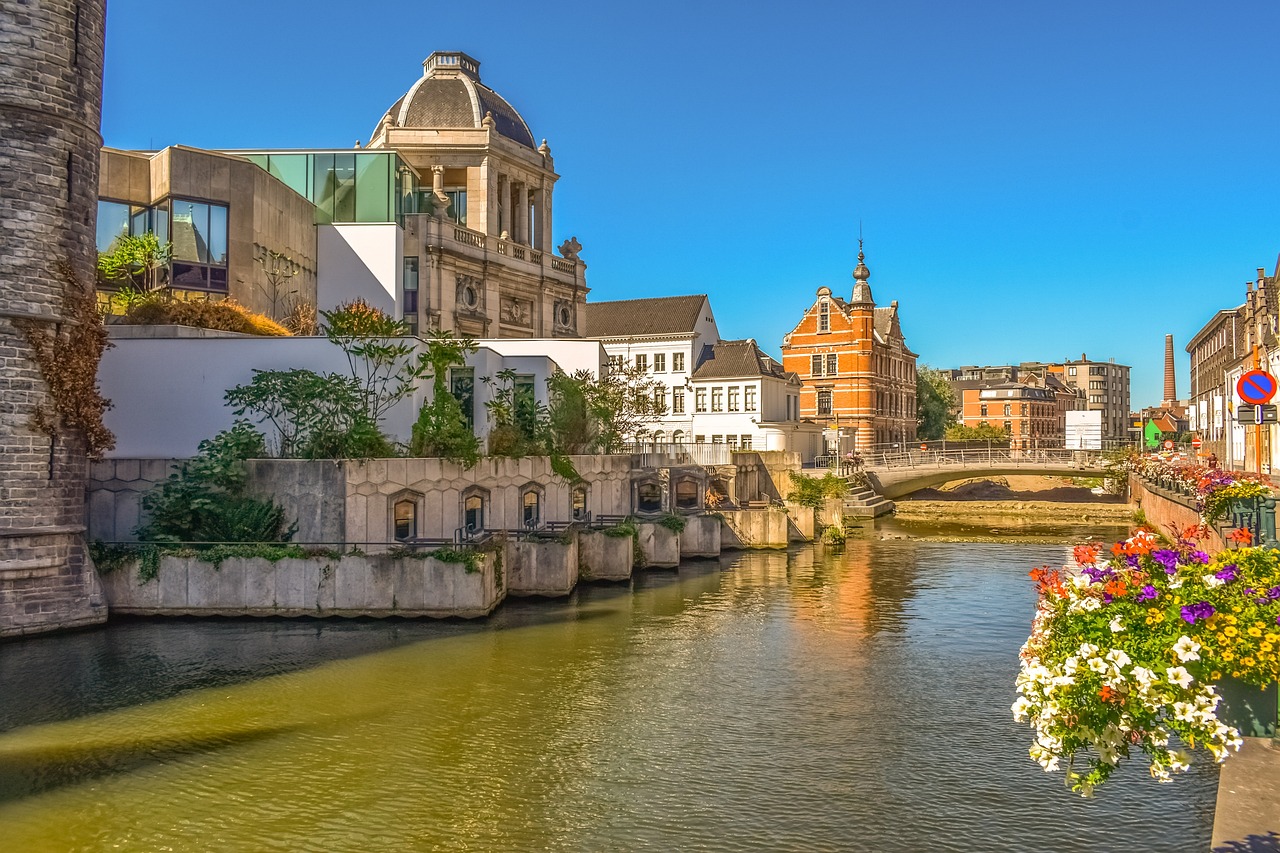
x,y
1164,508
50,107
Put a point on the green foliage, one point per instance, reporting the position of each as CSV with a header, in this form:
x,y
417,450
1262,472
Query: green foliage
x,y
814,491
379,356
833,534
1217,502
518,422
442,429
111,558
600,415
982,432
205,501
137,261
623,529
674,523
935,404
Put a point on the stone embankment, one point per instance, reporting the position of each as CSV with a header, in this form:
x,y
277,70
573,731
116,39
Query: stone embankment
x,y
1016,513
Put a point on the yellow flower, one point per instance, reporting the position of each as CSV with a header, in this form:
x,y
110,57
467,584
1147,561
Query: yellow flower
x,y
1265,646
1273,638
1150,621
1215,675
1227,656
1230,619
1254,631
1249,662
1230,631
1221,637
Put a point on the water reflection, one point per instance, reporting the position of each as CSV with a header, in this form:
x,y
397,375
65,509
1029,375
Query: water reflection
x,y
812,700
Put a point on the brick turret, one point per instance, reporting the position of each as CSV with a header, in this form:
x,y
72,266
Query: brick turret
x,y
50,110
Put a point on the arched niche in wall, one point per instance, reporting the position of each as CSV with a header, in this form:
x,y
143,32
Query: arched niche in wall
x,y
405,515
475,510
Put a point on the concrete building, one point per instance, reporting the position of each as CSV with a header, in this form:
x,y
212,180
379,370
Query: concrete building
x,y
858,375
1105,386
715,391
444,218
50,107
235,230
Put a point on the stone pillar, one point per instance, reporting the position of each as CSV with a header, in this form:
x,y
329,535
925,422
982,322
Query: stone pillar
x,y
502,215
50,109
544,210
437,190
521,234
489,179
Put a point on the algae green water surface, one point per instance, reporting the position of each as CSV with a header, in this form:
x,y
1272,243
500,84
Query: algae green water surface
x,y
803,701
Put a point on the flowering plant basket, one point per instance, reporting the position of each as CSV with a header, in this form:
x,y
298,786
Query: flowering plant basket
x,y
1126,649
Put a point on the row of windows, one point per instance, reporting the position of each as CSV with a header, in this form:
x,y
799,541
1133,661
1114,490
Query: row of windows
x,y
659,362
824,365
406,525
739,399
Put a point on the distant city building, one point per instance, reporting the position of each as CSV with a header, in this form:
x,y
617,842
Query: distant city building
x,y
444,218
1037,414
859,376
1215,349
715,392
1106,389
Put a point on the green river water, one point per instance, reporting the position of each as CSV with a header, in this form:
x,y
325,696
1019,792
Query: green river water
x,y
809,701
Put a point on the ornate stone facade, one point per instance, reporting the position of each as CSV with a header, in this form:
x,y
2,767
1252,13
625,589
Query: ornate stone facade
x,y
856,369
50,107
487,216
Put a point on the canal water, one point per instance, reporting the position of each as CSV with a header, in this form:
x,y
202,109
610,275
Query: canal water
x,y
806,701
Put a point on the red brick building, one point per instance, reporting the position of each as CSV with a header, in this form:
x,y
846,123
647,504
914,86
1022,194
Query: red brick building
x,y
856,371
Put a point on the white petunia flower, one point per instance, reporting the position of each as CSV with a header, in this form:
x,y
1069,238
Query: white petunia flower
x,y
1186,649
1178,675
1098,665
1020,709
1115,625
1212,580
1119,658
1088,650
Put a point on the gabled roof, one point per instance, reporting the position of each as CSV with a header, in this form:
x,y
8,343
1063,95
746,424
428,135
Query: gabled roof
x,y
662,315
740,359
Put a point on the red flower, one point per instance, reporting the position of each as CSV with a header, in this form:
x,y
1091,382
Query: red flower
x,y
1241,535
1087,555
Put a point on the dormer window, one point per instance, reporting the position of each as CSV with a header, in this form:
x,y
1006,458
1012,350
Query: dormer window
x,y
824,316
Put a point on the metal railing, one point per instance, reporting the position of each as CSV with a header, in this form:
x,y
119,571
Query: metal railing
x,y
657,454
984,457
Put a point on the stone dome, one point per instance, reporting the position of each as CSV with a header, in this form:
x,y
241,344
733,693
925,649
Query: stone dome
x,y
450,95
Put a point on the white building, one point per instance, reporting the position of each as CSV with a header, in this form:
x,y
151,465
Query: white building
x,y
716,392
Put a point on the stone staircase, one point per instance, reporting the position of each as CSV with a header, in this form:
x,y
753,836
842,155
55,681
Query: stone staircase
x,y
863,502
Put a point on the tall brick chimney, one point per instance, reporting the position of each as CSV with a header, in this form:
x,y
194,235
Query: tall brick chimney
x,y
1170,382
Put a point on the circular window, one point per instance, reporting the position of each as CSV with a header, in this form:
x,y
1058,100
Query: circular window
x,y
565,315
469,296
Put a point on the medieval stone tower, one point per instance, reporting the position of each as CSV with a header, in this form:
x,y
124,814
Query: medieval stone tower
x,y
50,109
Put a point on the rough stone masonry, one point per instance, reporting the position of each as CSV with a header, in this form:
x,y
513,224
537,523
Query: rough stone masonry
x,y
50,109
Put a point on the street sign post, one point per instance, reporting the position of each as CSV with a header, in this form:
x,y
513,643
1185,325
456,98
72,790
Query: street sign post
x,y
1168,444
1247,414
1196,442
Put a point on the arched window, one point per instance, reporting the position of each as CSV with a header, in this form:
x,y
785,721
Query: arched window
x,y
688,494
659,436
405,519
677,437
578,503
474,506
531,507
648,496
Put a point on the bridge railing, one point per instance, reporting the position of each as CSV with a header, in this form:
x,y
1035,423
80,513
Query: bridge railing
x,y
987,457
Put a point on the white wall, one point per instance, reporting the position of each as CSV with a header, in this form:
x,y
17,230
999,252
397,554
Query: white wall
x,y
359,261
570,355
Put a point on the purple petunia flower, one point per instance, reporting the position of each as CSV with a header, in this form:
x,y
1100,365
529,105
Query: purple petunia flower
x,y
1273,593
1199,556
1166,558
1147,593
1228,573
1194,612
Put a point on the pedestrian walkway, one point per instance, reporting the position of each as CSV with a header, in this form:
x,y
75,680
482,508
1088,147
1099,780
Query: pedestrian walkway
x,y
1247,819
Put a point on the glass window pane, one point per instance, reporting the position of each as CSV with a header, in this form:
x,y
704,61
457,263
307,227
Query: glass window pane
x,y
291,170
323,185
113,222
217,234
189,275
344,188
373,188
160,221
190,231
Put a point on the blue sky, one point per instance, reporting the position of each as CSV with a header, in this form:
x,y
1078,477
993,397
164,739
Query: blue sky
x,y
1035,180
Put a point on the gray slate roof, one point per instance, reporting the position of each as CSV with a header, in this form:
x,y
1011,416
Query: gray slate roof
x,y
663,315
739,359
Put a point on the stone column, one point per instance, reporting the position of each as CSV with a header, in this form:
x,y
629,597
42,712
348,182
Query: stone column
x,y
502,214
544,211
50,109
521,234
437,190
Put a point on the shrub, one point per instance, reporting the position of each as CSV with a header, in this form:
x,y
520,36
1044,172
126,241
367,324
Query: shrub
x,y
226,315
814,491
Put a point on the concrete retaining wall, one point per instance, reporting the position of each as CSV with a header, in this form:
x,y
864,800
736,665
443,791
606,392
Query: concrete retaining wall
x,y
604,558
315,586
1163,508
116,487
701,537
660,546
755,528
803,522
541,566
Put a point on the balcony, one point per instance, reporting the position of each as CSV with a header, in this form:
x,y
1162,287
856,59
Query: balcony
x,y
475,244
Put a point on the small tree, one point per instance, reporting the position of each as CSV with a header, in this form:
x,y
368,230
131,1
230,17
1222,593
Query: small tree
x,y
982,432
136,261
442,429
590,414
379,356
935,404
279,270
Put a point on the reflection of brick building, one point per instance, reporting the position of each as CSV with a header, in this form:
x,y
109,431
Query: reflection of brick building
x,y
856,369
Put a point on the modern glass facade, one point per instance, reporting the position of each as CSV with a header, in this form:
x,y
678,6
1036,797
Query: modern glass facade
x,y
345,186
117,219
195,230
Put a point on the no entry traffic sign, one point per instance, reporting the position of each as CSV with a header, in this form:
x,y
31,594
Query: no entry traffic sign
x,y
1195,442
1256,387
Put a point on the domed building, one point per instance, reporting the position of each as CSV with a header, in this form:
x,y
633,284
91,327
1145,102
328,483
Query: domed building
x,y
477,245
